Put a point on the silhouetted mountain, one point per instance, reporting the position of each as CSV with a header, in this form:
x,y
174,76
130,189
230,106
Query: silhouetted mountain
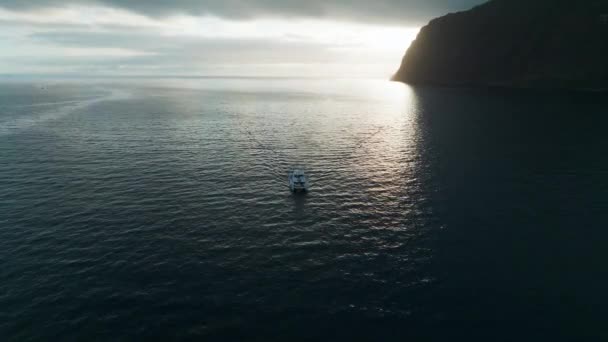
x,y
515,43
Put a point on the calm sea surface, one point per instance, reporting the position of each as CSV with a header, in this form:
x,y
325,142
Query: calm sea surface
x,y
159,210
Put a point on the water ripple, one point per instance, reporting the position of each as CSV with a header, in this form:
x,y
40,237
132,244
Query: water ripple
x,y
162,208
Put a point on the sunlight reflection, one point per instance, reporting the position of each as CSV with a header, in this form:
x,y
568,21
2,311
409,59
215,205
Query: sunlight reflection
x,y
389,160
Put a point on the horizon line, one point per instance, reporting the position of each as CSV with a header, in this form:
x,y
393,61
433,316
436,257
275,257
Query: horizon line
x,y
91,76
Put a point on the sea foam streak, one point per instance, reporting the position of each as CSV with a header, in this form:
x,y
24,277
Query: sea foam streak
x,y
16,125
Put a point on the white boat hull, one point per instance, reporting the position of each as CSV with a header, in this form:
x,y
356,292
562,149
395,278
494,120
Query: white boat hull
x,y
298,182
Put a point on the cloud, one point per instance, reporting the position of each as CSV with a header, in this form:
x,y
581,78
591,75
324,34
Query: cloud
x,y
211,37
157,49
141,51
409,12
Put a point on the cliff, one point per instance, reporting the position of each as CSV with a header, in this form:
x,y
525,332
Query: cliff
x,y
514,43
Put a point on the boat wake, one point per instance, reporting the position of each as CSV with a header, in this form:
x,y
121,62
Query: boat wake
x,y
280,164
71,107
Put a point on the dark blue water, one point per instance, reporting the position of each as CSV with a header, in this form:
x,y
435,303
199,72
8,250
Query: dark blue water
x,y
158,209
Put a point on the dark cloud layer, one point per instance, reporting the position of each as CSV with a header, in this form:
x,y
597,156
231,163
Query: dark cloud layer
x,y
394,11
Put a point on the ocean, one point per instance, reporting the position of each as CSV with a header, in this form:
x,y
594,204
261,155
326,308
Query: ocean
x,y
158,209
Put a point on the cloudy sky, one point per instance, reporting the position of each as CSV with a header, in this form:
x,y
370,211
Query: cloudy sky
x,y
212,37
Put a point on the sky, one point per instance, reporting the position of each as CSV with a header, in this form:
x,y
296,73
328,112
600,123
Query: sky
x,y
354,38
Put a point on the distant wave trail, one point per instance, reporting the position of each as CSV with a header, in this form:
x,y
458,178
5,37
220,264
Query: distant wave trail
x,y
19,124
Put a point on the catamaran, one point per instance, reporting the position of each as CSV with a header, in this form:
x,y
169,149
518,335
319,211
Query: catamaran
x,y
298,182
